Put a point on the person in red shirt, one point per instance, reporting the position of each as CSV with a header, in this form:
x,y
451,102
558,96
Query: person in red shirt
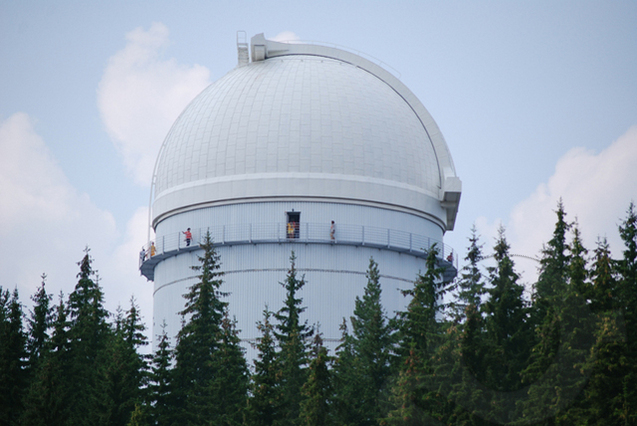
x,y
188,236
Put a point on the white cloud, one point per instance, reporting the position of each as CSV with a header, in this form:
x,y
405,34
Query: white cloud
x,y
44,222
141,94
286,37
596,188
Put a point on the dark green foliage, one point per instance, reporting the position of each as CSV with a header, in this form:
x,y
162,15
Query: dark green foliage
x,y
547,301
505,320
553,268
347,409
605,368
317,390
47,402
467,346
231,382
418,323
472,290
139,416
604,392
545,314
159,395
126,368
265,402
415,397
198,341
365,368
372,344
39,324
13,378
604,292
89,336
627,269
471,283
210,380
291,335
467,352
570,358
558,362
507,332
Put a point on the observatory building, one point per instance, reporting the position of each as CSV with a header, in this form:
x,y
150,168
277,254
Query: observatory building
x,y
294,139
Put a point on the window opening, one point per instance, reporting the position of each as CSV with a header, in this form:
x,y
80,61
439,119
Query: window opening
x,y
293,225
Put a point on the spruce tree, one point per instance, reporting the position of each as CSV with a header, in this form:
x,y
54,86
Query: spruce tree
x,y
13,378
126,368
471,283
418,324
265,401
347,404
89,335
610,394
371,348
468,360
472,290
196,374
549,293
604,294
559,360
604,391
48,398
139,416
414,396
39,324
160,404
627,269
467,340
291,335
317,391
553,268
230,386
507,332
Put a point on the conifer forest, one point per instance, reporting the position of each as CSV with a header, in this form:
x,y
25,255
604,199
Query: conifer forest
x,y
479,350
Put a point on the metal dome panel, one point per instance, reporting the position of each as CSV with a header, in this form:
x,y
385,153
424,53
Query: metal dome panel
x,y
301,126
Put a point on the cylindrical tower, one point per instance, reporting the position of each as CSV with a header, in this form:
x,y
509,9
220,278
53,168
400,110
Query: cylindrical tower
x,y
269,155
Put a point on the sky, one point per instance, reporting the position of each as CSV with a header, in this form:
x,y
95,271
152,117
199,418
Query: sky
x,y
537,101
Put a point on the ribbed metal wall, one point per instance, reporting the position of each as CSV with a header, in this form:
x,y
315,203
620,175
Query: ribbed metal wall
x,y
313,212
335,274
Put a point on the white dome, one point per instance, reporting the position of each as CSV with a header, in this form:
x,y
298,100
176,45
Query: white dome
x,y
306,122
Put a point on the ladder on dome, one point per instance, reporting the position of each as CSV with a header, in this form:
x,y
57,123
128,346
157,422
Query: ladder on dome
x,y
242,49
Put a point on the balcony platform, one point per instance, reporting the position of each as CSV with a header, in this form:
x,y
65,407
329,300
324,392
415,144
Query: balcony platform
x,y
307,233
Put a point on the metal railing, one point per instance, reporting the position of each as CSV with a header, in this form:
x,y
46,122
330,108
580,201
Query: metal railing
x,y
254,233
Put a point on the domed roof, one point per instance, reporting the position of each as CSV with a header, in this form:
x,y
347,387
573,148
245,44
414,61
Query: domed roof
x,y
305,121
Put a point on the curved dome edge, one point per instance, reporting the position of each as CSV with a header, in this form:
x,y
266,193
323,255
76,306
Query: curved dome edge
x,y
450,185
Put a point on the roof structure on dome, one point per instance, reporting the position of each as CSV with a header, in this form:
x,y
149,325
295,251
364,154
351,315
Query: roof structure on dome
x,y
306,121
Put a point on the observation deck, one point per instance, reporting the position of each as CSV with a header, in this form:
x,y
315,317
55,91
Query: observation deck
x,y
169,245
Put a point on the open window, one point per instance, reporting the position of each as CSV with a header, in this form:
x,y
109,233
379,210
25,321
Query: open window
x,y
293,225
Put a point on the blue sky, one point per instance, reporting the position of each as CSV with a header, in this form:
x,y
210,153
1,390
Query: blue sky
x,y
537,100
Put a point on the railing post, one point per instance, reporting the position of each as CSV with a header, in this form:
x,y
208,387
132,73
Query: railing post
x,y
223,234
363,242
250,233
388,238
410,244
